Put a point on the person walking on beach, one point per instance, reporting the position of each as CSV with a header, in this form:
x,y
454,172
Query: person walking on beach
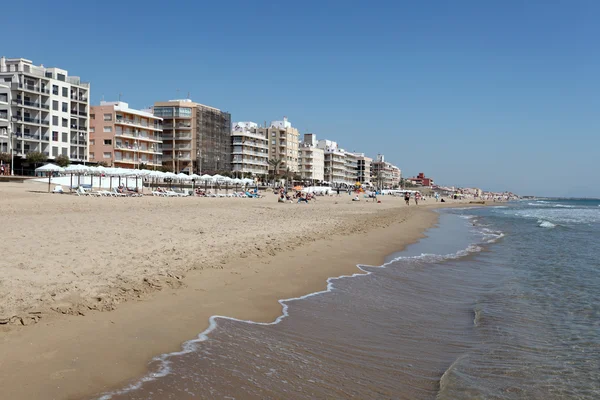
x,y
417,195
337,191
407,198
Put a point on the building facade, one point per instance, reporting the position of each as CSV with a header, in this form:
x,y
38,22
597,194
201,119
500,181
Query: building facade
x,y
250,150
384,175
421,180
196,137
48,110
311,159
363,170
123,137
283,144
334,162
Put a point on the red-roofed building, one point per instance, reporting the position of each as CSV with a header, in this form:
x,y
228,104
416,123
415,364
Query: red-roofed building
x,y
421,180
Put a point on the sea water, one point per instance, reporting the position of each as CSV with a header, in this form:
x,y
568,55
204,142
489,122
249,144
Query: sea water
x,y
496,303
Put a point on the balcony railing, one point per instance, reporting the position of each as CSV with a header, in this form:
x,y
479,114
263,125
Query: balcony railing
x,y
19,118
79,142
79,98
31,104
31,88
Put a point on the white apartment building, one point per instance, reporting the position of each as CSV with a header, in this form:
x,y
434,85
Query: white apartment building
x,y
334,161
311,159
250,148
351,161
283,144
48,110
5,118
363,170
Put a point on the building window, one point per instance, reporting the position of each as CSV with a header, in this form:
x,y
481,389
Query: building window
x,y
65,137
55,90
93,116
54,120
65,107
92,156
65,92
4,97
54,151
65,123
108,117
106,155
92,142
60,77
108,142
92,129
55,136
64,151
107,129
48,74
55,105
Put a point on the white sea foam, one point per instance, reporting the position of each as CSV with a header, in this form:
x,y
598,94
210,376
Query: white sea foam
x,y
164,361
546,224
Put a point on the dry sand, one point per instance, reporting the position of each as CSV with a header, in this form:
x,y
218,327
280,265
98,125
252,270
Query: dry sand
x,y
181,260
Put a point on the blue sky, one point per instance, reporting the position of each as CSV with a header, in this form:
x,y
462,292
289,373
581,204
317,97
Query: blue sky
x,y
503,95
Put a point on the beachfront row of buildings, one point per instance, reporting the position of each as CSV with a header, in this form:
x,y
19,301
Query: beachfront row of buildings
x,y
46,110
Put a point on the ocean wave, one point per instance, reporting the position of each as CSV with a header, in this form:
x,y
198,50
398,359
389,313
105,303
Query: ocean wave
x,y
546,224
546,204
445,379
558,215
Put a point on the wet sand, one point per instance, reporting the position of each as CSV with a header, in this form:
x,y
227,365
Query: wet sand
x,y
162,267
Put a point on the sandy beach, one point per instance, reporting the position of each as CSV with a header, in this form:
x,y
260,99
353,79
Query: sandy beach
x,y
92,288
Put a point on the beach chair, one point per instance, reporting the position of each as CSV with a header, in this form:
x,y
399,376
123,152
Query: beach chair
x,y
115,193
58,189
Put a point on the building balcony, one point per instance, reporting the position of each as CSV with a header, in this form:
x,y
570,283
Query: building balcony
x,y
30,104
30,120
30,88
79,142
138,137
138,124
137,150
82,99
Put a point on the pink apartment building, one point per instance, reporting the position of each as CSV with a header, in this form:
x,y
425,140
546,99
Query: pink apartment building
x,y
123,137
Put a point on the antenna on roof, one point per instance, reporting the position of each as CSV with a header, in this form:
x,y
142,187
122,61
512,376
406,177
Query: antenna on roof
x,y
120,94
188,95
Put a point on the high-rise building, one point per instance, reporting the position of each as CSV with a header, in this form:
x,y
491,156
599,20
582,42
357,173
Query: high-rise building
x,y
334,161
123,137
48,110
283,141
351,162
311,159
196,138
363,173
249,150
384,175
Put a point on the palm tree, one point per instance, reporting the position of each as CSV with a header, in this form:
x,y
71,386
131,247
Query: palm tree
x,y
275,163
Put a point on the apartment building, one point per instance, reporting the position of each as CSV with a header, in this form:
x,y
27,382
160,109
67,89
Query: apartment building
x,y
351,162
363,170
334,162
311,159
384,175
5,118
250,150
124,137
283,141
196,137
47,110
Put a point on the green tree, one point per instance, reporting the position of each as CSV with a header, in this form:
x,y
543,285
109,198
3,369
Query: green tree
x,y
35,158
5,158
275,163
142,166
102,163
62,160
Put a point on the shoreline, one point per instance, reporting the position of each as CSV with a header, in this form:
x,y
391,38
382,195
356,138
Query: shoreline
x,y
82,356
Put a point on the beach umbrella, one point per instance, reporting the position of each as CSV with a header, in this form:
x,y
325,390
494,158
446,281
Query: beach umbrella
x,y
49,169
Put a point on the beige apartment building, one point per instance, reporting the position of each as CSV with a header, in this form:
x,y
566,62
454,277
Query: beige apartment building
x,y
196,137
124,137
250,150
311,159
384,175
283,141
